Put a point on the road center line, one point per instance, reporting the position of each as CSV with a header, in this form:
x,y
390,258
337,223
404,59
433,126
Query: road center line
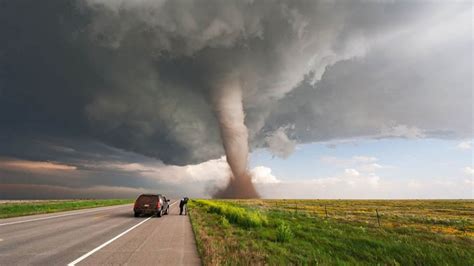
x,y
110,241
62,215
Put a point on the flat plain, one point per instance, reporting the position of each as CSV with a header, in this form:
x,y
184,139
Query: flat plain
x,y
328,232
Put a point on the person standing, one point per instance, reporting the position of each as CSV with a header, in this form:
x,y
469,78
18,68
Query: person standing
x,y
182,205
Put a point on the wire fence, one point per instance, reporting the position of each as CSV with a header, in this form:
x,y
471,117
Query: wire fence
x,y
434,216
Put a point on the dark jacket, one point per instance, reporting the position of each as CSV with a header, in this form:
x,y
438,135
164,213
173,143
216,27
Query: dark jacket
x,y
183,202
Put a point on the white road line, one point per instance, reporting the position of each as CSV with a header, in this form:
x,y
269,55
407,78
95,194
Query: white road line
x,y
110,241
106,243
62,215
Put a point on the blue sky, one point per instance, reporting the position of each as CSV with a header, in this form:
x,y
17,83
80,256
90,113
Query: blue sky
x,y
414,163
406,158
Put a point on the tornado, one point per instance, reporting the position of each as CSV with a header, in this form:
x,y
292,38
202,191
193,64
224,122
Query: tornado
x,y
228,107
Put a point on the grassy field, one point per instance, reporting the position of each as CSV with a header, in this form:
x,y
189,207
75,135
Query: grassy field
x,y
14,209
334,232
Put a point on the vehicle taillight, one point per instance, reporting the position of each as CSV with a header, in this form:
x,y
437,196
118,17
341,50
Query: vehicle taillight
x,y
158,205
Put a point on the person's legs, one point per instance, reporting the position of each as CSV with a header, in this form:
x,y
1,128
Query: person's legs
x,y
180,209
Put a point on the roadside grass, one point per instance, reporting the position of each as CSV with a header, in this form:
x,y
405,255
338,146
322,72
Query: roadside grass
x,y
411,232
16,209
233,214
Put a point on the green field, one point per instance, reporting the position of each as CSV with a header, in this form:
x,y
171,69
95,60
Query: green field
x,y
334,232
15,209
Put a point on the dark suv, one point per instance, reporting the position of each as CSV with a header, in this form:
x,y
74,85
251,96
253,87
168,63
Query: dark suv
x,y
151,204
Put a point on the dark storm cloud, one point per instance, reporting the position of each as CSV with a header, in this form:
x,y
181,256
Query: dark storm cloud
x,y
177,49
120,81
52,84
432,95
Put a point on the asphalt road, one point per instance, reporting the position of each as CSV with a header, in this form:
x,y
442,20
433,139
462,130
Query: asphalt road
x,y
108,235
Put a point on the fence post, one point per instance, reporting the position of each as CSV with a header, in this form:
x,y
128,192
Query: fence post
x,y
378,216
326,211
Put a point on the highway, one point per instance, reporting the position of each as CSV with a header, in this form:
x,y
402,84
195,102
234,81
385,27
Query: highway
x,y
107,235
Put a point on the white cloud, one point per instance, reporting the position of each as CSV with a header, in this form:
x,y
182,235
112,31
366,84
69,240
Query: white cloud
x,y
359,171
349,178
354,178
469,170
364,159
215,170
263,175
351,172
465,145
371,167
373,179
366,164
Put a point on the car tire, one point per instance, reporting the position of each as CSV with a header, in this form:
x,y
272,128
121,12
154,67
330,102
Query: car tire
x,y
159,213
136,214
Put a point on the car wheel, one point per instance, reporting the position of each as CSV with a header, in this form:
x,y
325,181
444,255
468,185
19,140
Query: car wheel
x,y
159,213
136,214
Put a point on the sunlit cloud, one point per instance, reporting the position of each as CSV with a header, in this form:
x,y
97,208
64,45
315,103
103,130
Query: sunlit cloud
x,y
25,165
216,170
465,145
263,175
469,170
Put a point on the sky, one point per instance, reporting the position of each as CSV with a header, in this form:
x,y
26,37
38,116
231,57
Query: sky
x,y
359,99
389,168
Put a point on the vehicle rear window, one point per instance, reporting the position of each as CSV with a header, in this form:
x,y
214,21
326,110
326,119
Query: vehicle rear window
x,y
147,199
